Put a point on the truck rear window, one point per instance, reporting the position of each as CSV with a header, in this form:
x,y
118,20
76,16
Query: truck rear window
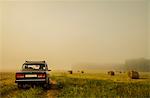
x,y
33,67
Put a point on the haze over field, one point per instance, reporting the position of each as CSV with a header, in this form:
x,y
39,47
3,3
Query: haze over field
x,y
68,33
149,28
0,35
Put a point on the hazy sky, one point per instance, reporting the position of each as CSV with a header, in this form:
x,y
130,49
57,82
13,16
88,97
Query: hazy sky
x,y
66,33
0,35
149,27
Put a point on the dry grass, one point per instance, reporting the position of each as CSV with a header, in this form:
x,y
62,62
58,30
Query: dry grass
x,y
79,85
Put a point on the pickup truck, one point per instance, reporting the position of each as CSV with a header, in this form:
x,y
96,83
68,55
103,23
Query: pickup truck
x,y
33,73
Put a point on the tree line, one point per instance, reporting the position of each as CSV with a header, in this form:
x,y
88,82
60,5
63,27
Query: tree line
x,y
141,64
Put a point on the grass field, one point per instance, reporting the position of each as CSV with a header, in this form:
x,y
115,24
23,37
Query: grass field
x,y
78,85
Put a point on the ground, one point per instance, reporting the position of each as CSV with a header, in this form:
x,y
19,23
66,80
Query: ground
x,y
79,85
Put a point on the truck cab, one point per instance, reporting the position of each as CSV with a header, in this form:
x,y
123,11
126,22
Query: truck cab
x,y
33,73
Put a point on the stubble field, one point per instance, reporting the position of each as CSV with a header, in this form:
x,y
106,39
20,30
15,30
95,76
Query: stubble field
x,y
79,85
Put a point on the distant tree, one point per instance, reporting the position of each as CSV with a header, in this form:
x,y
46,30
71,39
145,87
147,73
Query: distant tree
x,y
140,64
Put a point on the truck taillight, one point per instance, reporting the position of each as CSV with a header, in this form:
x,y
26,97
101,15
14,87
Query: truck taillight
x,y
18,75
41,75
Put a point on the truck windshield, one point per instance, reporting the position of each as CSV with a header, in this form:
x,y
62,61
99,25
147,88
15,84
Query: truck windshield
x,y
33,67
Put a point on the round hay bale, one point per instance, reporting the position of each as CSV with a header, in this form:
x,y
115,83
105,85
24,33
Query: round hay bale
x,y
70,72
112,73
133,74
82,71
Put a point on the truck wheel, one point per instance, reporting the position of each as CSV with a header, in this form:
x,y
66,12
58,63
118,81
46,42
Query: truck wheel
x,y
49,86
46,86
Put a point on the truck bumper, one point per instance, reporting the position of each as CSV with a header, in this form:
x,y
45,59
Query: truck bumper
x,y
30,81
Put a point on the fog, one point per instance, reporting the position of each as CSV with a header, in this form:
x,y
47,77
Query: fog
x,y
149,28
69,33
0,35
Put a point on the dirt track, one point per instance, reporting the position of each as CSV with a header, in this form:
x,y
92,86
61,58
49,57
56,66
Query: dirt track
x,y
54,91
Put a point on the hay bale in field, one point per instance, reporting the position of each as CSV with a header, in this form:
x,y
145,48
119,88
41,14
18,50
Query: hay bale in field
x,y
112,73
133,74
70,72
82,71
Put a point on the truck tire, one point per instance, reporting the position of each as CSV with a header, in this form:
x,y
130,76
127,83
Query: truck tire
x,y
47,85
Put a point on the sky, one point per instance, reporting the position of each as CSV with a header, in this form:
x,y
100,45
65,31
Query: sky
x,y
0,35
149,28
68,33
